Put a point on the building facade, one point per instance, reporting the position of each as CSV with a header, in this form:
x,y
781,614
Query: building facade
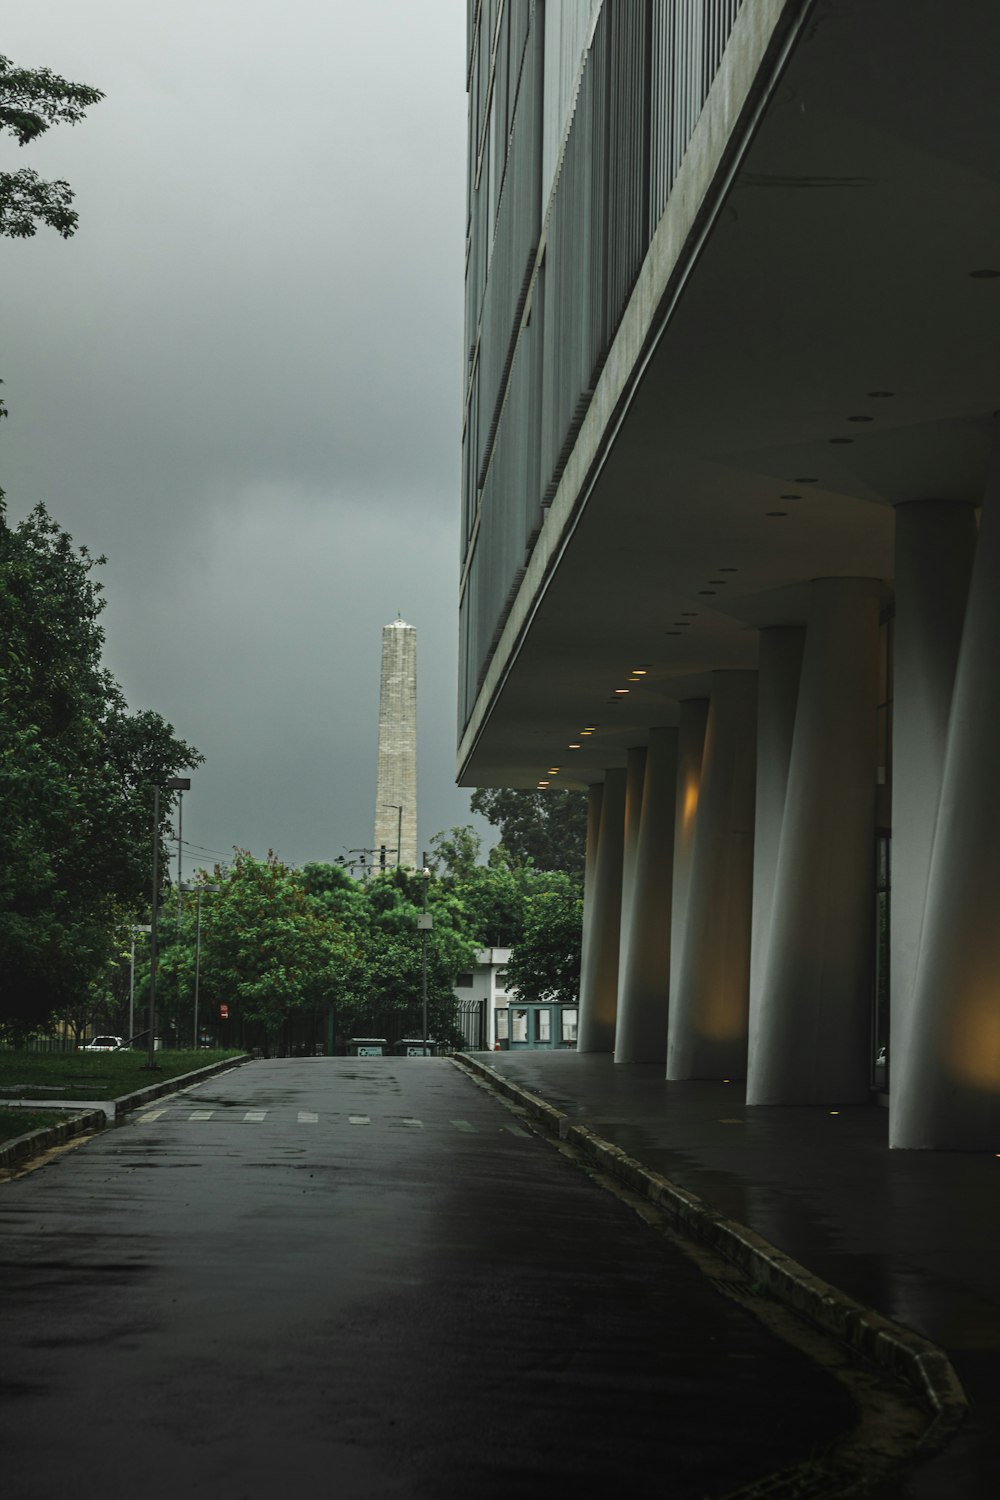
x,y
731,529
396,777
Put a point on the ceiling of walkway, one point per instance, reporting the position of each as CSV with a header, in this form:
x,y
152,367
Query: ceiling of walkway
x,y
836,350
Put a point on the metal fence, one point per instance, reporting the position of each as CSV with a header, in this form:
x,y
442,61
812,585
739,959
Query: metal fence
x,y
470,1018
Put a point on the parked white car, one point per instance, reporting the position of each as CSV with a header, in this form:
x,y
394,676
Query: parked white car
x,y
103,1044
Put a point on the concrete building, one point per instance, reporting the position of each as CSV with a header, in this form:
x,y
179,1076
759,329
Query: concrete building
x,y
731,529
479,994
396,779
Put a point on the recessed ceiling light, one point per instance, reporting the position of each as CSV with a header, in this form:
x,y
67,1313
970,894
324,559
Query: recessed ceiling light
x,y
718,580
986,274
620,692
777,513
554,770
691,614
881,395
709,592
684,624
542,784
861,419
672,632
572,747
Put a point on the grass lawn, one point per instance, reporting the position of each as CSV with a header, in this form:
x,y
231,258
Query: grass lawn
x,y
93,1075
15,1122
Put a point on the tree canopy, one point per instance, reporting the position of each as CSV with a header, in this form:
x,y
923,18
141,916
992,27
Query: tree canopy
x,y
546,828
76,775
31,101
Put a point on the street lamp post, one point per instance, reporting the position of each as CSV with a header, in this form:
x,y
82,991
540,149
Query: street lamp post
x,y
425,922
172,784
131,981
399,831
199,891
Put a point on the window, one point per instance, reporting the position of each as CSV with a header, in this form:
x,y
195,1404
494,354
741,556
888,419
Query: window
x,y
519,1025
543,1026
503,1025
569,1026
463,982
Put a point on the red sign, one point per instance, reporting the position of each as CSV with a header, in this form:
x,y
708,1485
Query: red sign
x,y
224,1012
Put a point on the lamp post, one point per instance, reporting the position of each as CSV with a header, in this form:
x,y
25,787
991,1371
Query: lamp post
x,y
136,927
180,841
425,922
172,784
199,891
399,831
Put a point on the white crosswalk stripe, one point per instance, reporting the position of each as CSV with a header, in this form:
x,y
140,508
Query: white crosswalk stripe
x,y
255,1114
515,1130
153,1114
464,1125
414,1124
311,1117
307,1118
202,1114
359,1119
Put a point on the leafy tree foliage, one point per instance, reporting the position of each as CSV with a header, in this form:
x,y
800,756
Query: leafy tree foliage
x,y
547,828
76,774
32,100
545,964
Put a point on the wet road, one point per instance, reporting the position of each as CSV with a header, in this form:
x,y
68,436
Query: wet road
x,y
363,1278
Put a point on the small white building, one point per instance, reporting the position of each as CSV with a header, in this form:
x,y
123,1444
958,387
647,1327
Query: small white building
x,y
479,994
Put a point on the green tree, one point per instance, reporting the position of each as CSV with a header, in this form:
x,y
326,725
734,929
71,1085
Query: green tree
x,y
456,853
547,828
269,950
76,775
545,964
32,100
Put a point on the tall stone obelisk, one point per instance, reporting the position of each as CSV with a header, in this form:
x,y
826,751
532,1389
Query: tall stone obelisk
x,y
396,780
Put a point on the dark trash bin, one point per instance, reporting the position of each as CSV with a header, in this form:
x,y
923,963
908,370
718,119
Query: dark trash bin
x,y
415,1046
367,1046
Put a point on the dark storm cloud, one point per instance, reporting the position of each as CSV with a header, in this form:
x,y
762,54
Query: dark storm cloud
x,y
242,381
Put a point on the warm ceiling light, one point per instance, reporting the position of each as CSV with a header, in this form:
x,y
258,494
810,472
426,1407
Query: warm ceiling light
x,y
718,580
639,671
684,624
554,770
777,513
709,592
619,692
986,274
690,614
542,784
572,747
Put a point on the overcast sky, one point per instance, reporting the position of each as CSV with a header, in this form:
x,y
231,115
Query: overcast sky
x,y
241,380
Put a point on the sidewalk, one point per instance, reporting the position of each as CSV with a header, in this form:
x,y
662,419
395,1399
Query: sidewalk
x,y
915,1235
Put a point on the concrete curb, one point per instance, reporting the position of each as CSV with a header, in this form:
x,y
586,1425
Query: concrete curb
x,y
24,1147
924,1367
128,1102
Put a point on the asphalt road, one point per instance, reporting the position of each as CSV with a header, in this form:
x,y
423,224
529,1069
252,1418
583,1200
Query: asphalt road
x,y
364,1278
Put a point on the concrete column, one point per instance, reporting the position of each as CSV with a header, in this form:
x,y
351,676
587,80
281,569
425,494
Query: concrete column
x,y
635,772
599,979
935,546
779,665
690,750
644,968
595,797
813,1031
707,1032
949,1091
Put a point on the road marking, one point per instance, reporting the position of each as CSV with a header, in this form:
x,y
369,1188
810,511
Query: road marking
x,y
359,1119
415,1124
255,1114
154,1114
202,1114
464,1125
515,1130
306,1118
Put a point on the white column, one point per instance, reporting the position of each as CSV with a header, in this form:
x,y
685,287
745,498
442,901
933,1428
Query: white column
x,y
949,1092
813,1032
935,546
595,797
779,665
690,750
599,979
635,772
707,1030
644,970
